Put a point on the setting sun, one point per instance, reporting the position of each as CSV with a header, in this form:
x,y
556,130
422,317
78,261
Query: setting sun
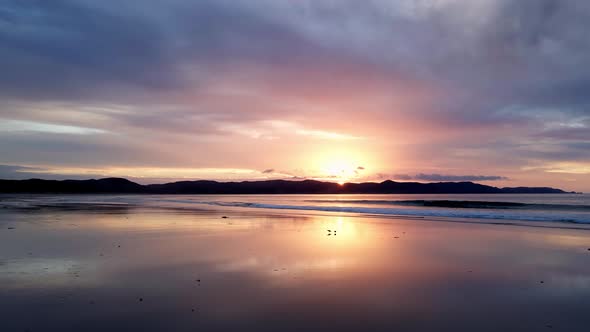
x,y
341,164
341,170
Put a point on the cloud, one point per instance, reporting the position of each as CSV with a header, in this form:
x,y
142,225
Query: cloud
x,y
81,47
462,84
268,171
15,125
275,129
442,177
139,174
565,167
404,177
16,172
325,134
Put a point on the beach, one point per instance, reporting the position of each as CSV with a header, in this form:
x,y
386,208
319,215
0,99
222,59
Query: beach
x,y
153,263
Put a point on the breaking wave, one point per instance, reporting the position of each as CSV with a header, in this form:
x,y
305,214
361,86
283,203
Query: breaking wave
x,y
462,204
555,216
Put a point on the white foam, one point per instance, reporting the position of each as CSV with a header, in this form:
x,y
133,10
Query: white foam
x,y
581,218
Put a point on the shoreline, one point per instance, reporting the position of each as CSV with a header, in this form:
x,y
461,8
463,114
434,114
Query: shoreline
x,y
562,218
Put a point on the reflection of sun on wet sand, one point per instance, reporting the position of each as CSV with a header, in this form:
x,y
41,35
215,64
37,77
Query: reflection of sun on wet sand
x,y
145,268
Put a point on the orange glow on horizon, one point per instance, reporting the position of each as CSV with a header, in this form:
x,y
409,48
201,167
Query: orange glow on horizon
x,y
340,166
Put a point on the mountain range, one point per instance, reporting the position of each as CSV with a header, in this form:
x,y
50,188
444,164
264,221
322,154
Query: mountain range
x,y
124,186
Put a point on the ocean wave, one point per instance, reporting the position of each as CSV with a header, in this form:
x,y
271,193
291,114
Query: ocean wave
x,y
485,210
463,204
578,218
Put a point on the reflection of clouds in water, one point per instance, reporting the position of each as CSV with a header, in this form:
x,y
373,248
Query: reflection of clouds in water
x,y
566,241
267,272
31,273
241,265
270,265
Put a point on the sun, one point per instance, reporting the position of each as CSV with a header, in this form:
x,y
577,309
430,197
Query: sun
x,y
339,164
340,170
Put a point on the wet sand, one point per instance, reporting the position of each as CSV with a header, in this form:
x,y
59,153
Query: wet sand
x,y
149,269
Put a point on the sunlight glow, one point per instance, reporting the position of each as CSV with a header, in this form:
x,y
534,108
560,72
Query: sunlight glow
x,y
340,168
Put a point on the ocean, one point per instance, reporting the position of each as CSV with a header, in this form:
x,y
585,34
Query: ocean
x,y
556,208
294,263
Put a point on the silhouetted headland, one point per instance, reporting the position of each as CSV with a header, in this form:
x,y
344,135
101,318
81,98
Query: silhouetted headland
x,y
124,186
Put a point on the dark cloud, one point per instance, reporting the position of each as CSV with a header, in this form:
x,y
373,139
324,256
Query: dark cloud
x,y
404,177
79,150
442,177
567,134
15,172
87,46
72,49
268,171
80,49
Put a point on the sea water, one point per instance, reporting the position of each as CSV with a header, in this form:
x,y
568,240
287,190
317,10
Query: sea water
x,y
560,208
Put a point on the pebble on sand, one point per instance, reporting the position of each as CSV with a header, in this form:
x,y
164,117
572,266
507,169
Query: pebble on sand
x,y
141,299
224,217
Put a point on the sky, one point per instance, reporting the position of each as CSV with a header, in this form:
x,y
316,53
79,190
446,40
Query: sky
x,y
491,91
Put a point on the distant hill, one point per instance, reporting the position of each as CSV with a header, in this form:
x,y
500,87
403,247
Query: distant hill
x,y
124,186
107,185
